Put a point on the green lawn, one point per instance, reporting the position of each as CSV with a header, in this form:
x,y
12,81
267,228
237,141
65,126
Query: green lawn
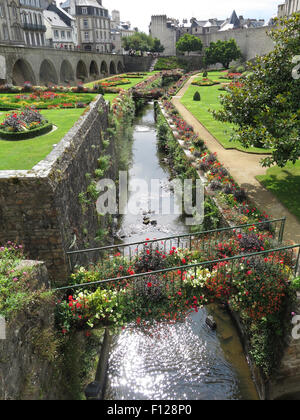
x,y
133,82
284,183
210,100
27,153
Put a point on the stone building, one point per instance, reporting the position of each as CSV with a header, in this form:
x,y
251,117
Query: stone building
x,y
199,27
11,31
33,23
119,30
235,22
289,7
167,30
61,28
93,24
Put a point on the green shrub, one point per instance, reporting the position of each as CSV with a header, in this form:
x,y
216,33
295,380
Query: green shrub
x,y
205,73
296,284
170,63
26,135
197,96
240,69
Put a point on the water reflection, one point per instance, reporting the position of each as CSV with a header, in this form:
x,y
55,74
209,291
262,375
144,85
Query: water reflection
x,y
146,165
186,361
176,362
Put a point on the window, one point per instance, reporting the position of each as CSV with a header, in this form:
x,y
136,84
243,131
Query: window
x,y
69,35
84,10
86,36
32,38
56,34
63,34
27,38
85,23
5,32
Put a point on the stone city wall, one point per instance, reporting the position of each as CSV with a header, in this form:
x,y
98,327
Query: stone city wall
x,y
252,41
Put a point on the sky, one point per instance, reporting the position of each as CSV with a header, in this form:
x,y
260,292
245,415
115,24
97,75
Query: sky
x,y
139,12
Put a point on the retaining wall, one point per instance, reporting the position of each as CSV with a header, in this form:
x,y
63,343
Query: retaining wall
x,y
40,208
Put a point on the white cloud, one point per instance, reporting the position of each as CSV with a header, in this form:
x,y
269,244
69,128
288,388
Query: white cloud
x,y
139,12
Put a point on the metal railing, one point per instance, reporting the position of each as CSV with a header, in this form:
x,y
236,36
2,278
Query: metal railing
x,y
174,276
34,27
188,241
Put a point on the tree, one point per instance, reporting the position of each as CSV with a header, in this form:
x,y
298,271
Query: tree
x,y
222,52
265,104
157,46
138,42
188,43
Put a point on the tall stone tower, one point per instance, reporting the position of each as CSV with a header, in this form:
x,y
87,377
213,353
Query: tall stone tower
x,y
167,31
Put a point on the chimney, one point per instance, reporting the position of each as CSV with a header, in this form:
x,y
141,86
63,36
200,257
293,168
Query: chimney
x,y
72,7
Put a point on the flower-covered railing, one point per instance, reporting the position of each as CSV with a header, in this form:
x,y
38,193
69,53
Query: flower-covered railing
x,y
212,243
255,284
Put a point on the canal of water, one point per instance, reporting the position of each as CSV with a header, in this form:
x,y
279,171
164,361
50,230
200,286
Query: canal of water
x,y
185,361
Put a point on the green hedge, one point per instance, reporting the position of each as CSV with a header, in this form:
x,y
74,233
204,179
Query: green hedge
x,y
26,135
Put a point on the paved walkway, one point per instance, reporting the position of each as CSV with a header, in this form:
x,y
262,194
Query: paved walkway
x,y
243,167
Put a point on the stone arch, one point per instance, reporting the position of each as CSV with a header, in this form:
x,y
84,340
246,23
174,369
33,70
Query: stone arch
x,y
112,68
22,72
66,72
48,73
81,71
104,68
120,67
94,70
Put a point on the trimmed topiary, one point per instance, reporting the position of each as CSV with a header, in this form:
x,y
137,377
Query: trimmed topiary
x,y
197,96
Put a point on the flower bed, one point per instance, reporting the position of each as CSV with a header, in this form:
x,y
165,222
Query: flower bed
x,y
230,75
44,100
205,82
232,200
24,125
116,81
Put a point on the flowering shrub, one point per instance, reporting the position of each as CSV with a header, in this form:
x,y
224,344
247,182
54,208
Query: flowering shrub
x,y
259,296
27,120
17,287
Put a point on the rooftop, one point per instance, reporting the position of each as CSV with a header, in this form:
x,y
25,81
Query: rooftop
x,y
54,19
